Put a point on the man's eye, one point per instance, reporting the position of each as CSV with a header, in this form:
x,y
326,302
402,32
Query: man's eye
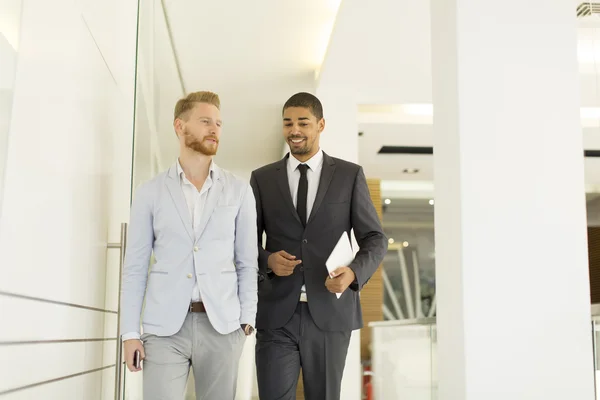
x,y
287,124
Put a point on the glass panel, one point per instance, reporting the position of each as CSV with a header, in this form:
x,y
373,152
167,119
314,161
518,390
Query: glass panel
x,y
66,113
409,266
158,87
403,361
434,380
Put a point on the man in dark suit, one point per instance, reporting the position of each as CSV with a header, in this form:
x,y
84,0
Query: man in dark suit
x,y
305,202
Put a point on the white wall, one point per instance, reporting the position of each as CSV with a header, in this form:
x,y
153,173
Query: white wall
x,y
380,50
10,20
66,192
158,89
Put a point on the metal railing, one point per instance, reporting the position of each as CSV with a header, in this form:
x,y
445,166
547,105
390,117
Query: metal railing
x,y
119,347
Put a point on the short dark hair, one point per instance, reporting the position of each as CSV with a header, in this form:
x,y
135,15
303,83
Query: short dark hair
x,y
305,100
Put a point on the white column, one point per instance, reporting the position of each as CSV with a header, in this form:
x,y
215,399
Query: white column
x,y
340,139
512,277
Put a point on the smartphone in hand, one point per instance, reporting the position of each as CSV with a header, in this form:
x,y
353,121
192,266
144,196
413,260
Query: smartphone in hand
x,y
137,359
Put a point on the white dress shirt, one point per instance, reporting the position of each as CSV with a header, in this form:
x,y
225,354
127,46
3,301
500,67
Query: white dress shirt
x,y
313,176
195,201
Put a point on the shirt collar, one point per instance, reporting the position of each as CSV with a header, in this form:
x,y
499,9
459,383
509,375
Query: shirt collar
x,y
181,174
313,163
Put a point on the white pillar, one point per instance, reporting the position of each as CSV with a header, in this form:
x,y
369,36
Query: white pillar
x,y
512,277
340,139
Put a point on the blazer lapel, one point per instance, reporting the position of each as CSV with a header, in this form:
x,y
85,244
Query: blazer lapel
x,y
284,186
211,201
326,174
174,186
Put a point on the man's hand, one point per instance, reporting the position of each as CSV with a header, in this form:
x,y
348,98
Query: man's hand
x,y
130,347
248,329
282,263
339,280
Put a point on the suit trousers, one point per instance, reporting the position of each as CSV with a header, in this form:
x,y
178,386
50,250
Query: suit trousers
x,y
213,356
300,344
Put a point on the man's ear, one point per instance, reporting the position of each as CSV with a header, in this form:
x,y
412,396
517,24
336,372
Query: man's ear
x,y
321,125
178,126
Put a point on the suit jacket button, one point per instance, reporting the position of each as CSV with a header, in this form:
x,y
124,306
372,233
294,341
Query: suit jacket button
x,y
301,268
305,241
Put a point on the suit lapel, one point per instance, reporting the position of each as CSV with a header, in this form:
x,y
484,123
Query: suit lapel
x,y
174,187
326,174
284,186
211,201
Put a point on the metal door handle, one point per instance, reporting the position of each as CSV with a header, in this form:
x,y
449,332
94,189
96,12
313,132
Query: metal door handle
x,y
119,364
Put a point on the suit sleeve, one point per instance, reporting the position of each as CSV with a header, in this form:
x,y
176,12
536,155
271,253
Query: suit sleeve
x,y
246,258
372,242
263,255
140,240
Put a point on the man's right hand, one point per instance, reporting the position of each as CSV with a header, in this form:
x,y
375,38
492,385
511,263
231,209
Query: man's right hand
x,y
130,347
282,263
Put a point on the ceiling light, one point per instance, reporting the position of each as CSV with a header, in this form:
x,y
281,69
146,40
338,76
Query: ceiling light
x,y
410,170
405,244
387,201
391,240
431,202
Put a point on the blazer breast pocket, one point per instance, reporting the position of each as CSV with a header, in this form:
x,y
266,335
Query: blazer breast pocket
x,y
222,222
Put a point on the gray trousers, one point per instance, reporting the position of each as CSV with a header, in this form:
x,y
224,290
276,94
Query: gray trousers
x,y
280,353
214,358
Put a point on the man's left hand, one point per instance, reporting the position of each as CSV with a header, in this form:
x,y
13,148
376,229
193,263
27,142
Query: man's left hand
x,y
339,280
248,329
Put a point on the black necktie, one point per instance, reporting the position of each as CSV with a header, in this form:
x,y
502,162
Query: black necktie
x,y
302,192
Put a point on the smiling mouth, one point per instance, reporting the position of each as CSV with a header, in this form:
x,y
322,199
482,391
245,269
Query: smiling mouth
x,y
297,140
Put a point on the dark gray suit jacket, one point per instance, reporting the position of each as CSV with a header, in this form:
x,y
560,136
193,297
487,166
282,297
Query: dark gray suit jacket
x,y
342,203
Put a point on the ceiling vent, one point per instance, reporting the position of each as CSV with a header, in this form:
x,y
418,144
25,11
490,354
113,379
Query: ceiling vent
x,y
587,9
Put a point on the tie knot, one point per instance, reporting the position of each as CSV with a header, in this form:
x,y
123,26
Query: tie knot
x,y
303,168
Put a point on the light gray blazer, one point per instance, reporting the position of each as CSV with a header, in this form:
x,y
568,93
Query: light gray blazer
x,y
225,256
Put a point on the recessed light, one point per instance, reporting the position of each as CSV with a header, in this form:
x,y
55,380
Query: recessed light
x,y
410,170
431,202
387,201
391,240
405,244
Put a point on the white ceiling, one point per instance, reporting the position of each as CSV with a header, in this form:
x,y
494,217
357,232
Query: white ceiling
x,y
256,54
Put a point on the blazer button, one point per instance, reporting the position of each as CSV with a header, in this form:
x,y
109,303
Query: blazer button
x,y
190,276
195,248
305,241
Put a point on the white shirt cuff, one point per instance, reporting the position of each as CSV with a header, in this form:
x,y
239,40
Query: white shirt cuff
x,y
131,335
